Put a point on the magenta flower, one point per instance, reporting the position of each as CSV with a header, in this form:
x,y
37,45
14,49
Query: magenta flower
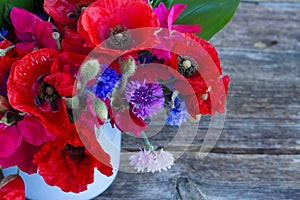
x,y
21,141
31,31
146,98
168,17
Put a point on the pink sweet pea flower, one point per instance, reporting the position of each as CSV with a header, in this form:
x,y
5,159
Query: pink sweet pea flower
x,y
31,31
167,18
21,141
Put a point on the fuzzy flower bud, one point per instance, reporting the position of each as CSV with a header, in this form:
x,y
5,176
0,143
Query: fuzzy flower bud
x,y
197,119
100,109
72,102
90,69
128,67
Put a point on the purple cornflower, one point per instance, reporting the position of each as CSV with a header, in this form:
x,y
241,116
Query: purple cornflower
x,y
108,80
146,98
178,114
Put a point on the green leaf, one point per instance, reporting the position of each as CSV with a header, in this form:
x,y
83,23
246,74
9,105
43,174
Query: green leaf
x,y
212,15
168,3
7,5
2,7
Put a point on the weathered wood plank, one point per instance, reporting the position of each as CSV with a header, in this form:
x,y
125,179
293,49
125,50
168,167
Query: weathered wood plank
x,y
217,176
255,25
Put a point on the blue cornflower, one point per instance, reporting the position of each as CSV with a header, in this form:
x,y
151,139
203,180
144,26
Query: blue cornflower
x,y
4,33
108,80
178,114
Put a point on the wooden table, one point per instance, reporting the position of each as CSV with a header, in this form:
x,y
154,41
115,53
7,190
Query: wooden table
x,y
258,153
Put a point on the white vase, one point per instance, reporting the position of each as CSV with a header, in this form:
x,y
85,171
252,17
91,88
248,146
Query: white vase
x,y
37,189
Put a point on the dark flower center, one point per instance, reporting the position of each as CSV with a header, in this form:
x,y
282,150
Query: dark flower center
x,y
46,93
186,66
77,11
119,38
75,153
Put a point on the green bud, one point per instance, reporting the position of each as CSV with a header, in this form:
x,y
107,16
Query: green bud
x,y
197,119
128,67
72,102
90,69
56,35
100,109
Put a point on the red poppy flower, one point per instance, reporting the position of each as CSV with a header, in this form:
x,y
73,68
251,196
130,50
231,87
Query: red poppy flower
x,y
67,62
197,74
66,163
28,92
105,18
12,187
204,96
74,42
65,12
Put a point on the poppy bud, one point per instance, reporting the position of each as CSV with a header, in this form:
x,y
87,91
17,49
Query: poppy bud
x,y
72,102
197,119
100,109
128,67
90,69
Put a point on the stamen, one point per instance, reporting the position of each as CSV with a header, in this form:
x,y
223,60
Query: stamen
x,y
50,90
46,93
186,66
119,38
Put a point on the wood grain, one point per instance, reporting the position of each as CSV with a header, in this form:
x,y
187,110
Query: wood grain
x,y
217,176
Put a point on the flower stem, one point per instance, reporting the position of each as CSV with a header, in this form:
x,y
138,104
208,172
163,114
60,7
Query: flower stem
x,y
56,37
149,146
4,51
2,37
124,81
167,81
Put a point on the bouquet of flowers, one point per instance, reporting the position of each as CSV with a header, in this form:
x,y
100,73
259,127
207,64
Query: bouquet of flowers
x,y
68,67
